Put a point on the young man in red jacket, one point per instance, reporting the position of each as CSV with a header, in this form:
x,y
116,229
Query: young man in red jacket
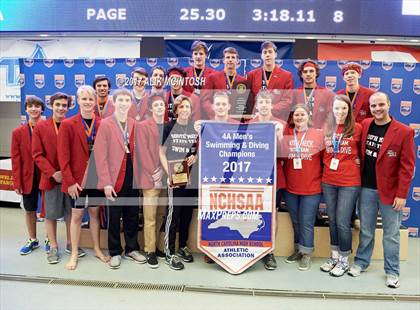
x,y
271,77
102,86
75,142
25,173
317,98
139,109
115,164
197,74
388,162
44,151
358,94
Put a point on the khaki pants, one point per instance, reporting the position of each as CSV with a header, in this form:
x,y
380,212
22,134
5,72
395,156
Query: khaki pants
x,y
152,213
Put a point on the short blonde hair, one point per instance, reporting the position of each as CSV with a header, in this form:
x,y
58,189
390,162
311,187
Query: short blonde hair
x,y
86,88
178,101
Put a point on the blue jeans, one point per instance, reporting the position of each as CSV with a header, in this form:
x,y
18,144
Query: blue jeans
x,y
303,210
340,202
391,221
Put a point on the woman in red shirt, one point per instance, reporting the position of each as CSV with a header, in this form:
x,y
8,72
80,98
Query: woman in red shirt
x,y
301,148
341,182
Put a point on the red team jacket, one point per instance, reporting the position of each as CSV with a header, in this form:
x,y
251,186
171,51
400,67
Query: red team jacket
x,y
107,111
44,152
147,144
280,80
188,85
322,105
110,155
73,151
395,162
361,108
22,162
216,81
142,112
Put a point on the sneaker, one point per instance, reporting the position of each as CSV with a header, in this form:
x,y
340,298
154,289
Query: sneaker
x,y
208,260
329,264
160,254
152,261
295,257
270,262
115,262
392,281
305,262
47,245
174,262
80,251
185,254
355,270
136,256
339,269
53,257
30,245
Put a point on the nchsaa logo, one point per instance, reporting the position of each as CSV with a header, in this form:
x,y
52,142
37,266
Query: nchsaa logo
x,y
330,82
375,83
396,85
59,80
39,80
405,107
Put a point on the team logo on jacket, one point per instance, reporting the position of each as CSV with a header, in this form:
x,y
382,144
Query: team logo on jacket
x,y
365,64
21,80
151,62
375,83
120,79
215,63
416,86
130,62
48,63
387,65
396,85
172,61
79,80
321,63
48,101
330,82
256,62
279,62
59,80
341,63
405,213
110,62
28,62
416,128
68,63
405,107
39,80
89,62
413,232
409,66
362,112
391,153
416,194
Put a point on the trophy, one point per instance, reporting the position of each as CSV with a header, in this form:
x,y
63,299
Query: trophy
x,y
240,100
178,172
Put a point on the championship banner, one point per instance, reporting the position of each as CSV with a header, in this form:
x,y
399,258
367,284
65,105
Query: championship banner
x,y
236,218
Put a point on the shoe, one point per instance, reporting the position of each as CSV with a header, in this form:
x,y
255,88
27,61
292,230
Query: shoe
x,y
355,270
295,257
80,251
30,245
329,264
152,261
392,281
47,245
185,254
174,262
305,262
208,260
136,256
160,254
270,262
339,269
115,262
53,257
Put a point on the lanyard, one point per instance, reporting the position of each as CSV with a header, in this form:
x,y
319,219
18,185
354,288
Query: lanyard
x,y
89,131
353,101
296,142
265,81
139,101
103,111
31,128
123,131
55,126
336,143
309,99
197,78
229,83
